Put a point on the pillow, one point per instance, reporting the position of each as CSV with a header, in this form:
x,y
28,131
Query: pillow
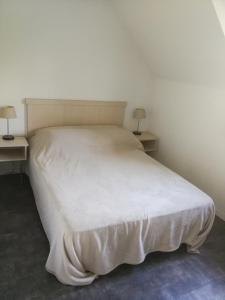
x,y
81,141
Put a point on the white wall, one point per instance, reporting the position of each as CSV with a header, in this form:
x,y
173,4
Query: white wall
x,y
70,49
80,50
183,44
181,40
190,121
219,6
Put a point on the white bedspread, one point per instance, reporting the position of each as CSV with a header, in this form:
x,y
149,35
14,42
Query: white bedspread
x,y
104,202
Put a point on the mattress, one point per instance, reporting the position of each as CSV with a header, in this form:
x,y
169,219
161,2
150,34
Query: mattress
x,y
104,202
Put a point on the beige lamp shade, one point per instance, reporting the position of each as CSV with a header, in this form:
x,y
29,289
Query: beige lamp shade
x,y
8,112
139,113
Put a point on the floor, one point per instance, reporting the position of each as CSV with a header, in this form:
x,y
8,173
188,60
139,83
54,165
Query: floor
x,y
164,276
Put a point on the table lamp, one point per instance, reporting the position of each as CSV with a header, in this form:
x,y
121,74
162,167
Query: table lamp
x,y
8,112
139,114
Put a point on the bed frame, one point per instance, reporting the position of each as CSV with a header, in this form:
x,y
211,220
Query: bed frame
x,y
46,113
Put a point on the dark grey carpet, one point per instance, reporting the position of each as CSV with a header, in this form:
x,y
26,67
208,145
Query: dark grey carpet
x,y
24,249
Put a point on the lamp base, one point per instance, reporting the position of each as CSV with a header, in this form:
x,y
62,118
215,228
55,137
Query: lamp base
x,y
8,137
137,132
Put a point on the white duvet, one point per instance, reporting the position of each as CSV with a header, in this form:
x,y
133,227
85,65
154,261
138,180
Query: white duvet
x,y
104,202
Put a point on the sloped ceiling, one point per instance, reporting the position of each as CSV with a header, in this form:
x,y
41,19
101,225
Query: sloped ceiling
x,y
220,10
180,40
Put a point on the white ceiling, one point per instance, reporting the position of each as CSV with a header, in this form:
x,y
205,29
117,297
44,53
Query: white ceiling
x,y
180,40
219,6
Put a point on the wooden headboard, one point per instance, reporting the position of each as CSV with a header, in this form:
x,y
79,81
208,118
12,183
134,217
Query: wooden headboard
x,y
45,113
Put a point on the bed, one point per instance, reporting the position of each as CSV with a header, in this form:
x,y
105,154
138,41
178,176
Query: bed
x,y
104,202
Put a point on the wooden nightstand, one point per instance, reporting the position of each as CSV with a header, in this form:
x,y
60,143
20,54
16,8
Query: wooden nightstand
x,y
149,141
15,150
